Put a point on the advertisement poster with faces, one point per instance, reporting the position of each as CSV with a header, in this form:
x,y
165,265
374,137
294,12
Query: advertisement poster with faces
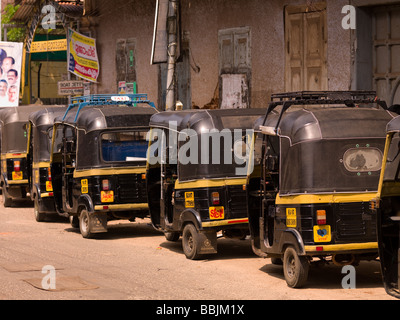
x,y
10,73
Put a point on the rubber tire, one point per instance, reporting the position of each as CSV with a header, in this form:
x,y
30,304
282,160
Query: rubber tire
x,y
172,236
190,242
7,201
74,221
295,268
39,216
84,224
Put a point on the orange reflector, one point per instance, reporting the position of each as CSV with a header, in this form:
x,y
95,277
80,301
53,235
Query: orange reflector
x,y
17,166
215,198
321,217
106,185
143,176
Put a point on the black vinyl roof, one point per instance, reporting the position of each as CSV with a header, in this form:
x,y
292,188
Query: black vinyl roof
x,y
18,114
311,123
199,119
393,125
46,116
109,116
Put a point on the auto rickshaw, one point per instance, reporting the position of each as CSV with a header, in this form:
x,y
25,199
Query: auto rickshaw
x,y
14,179
317,168
387,207
196,170
38,154
98,160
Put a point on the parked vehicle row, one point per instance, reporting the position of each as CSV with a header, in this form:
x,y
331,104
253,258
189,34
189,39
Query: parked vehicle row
x,y
313,176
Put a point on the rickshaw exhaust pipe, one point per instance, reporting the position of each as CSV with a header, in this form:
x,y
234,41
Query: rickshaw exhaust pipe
x,y
341,259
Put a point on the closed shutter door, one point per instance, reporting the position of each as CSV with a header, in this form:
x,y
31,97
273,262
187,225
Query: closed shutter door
x,y
386,52
305,39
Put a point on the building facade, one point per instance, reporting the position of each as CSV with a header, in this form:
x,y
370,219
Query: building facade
x,y
236,53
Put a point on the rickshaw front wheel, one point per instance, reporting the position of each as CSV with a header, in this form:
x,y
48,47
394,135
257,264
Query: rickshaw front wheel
x,y
190,242
295,268
84,224
74,221
172,236
39,216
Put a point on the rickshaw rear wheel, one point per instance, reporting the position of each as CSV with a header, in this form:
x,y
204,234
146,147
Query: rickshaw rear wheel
x,y
39,216
172,236
295,268
190,242
84,224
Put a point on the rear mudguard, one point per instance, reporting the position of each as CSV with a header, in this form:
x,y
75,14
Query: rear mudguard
x,y
292,237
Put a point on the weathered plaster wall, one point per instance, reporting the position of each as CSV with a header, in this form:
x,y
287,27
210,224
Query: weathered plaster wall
x,y
202,19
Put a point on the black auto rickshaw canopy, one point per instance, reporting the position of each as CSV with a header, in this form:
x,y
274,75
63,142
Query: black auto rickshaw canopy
x,y
206,124
92,120
41,126
14,124
311,128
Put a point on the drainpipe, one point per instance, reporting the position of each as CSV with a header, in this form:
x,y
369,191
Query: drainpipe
x,y
172,44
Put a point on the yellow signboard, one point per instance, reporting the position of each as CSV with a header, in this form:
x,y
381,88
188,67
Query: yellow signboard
x,y
46,46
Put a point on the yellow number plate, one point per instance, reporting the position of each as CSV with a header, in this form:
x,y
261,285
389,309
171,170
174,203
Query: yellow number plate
x,y
291,218
322,233
84,186
17,175
107,196
49,186
189,199
216,213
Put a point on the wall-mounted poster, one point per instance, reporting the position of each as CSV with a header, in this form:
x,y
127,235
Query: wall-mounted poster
x,y
10,73
82,56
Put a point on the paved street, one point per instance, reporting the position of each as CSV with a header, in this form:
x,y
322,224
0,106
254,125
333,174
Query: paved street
x,y
133,261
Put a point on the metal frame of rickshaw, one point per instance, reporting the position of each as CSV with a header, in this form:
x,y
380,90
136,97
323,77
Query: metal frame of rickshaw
x,y
387,207
18,188
41,190
130,100
183,218
309,98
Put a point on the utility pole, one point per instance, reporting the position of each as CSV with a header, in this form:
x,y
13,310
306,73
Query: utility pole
x,y
171,50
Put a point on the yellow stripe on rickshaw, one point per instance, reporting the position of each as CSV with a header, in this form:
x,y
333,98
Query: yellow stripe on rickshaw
x,y
342,247
208,183
25,181
13,155
129,206
39,165
224,222
325,198
108,171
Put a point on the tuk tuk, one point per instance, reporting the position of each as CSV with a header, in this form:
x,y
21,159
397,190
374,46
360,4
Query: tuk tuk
x,y
40,129
98,160
387,207
14,179
316,167
196,170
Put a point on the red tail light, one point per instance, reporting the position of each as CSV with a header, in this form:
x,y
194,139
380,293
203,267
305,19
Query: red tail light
x,y
321,217
17,166
49,174
215,198
105,185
